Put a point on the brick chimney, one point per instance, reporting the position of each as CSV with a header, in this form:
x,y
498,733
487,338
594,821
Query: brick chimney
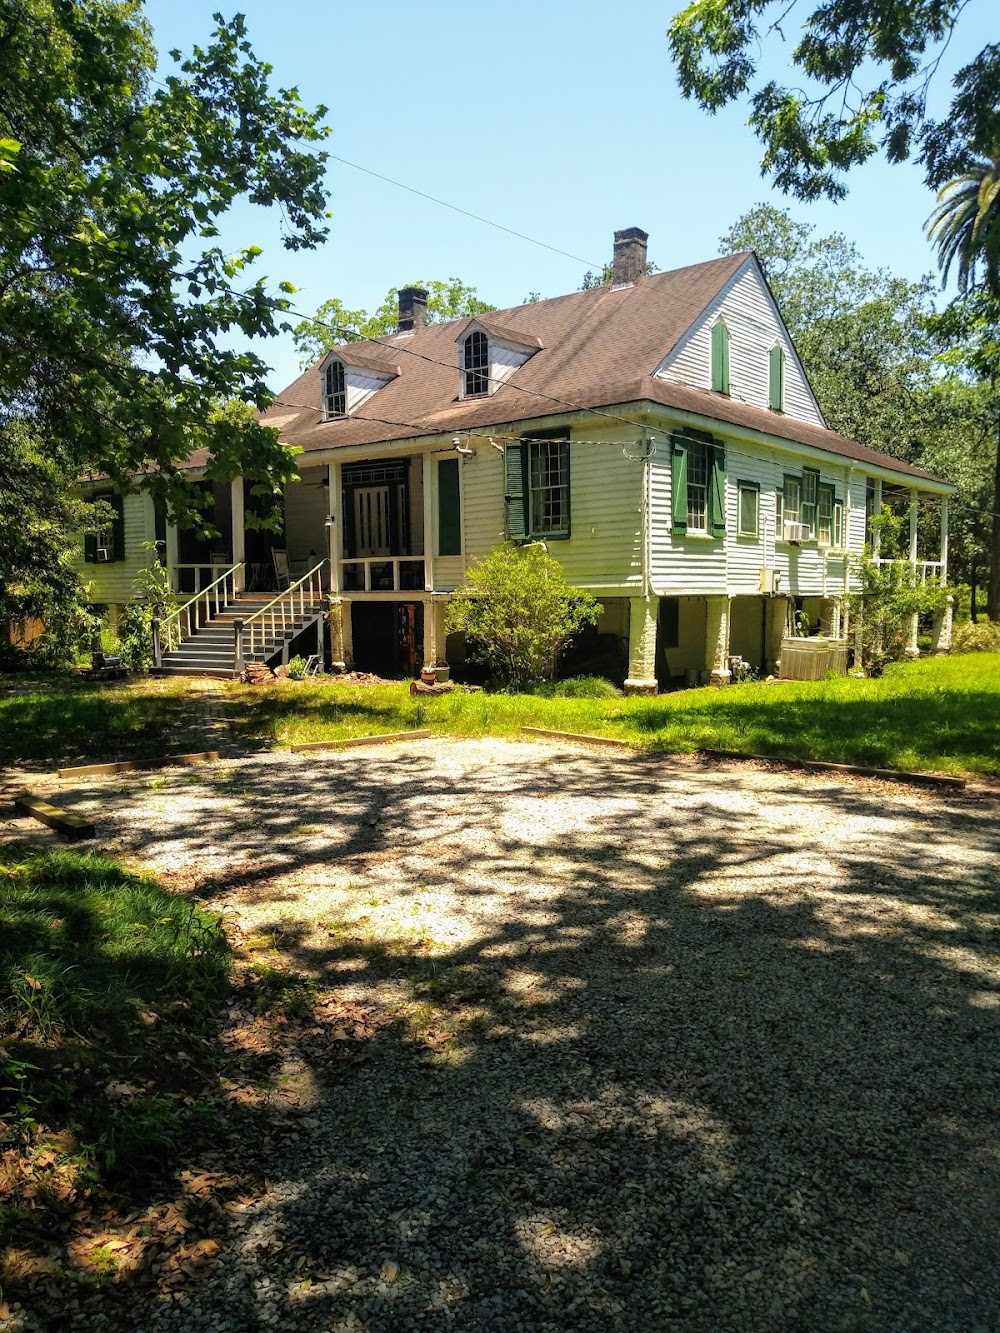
x,y
412,309
630,257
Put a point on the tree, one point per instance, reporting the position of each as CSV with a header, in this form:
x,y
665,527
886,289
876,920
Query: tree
x,y
333,323
866,70
965,225
114,297
518,613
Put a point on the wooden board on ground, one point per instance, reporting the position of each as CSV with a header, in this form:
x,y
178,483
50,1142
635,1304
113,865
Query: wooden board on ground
x,y
138,765
307,747
70,826
577,736
857,770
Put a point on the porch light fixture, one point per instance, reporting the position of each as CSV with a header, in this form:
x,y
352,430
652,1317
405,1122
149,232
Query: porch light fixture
x,y
329,521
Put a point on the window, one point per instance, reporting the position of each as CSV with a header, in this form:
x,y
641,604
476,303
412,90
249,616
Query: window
x,y
449,508
776,379
720,358
476,364
108,542
537,494
748,517
697,486
548,488
839,536
810,499
790,501
824,521
334,391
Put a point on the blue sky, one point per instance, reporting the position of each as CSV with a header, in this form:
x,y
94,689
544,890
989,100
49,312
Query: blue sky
x,y
561,120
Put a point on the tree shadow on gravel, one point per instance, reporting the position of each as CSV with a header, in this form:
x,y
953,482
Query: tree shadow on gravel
x,y
705,1049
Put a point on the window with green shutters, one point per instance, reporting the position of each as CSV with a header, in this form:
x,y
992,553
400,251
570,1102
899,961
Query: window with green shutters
x,y
449,508
776,379
720,358
537,486
824,516
791,496
698,485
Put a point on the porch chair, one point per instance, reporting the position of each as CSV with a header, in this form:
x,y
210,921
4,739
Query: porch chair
x,y
282,571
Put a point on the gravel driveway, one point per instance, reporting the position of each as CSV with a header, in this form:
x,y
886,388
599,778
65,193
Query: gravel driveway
x,y
704,1047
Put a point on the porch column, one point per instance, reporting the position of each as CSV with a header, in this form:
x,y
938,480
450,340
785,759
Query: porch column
x,y
877,513
717,641
239,543
340,634
941,633
643,615
777,621
944,540
172,555
912,649
427,473
335,531
430,633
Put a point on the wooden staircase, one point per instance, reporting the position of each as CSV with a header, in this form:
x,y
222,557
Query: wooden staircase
x,y
222,628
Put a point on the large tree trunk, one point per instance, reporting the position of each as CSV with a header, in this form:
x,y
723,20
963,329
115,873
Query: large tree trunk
x,y
993,597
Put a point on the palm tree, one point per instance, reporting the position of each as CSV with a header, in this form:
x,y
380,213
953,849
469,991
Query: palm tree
x,y
965,224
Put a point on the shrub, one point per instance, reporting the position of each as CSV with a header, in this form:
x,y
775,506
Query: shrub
x,y
518,612
151,589
578,687
983,638
297,668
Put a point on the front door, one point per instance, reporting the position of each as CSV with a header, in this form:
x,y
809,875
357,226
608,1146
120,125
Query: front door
x,y
371,521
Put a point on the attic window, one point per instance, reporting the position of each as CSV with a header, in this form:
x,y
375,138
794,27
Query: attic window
x,y
334,391
476,364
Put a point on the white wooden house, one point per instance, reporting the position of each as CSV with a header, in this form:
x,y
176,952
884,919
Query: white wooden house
x,y
658,434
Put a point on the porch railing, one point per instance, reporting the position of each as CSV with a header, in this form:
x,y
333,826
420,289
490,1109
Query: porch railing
x,y
203,573
195,612
383,573
264,632
926,569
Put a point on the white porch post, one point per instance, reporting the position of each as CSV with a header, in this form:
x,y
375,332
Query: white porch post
x,y
172,555
717,640
643,614
944,540
877,513
335,531
912,648
239,541
428,476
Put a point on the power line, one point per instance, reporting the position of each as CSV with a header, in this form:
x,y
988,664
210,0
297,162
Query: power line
x,y
465,212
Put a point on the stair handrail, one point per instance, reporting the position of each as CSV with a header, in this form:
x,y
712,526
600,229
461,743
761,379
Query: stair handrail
x,y
250,632
168,634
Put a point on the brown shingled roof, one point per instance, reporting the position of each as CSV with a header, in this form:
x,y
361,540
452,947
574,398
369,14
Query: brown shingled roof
x,y
598,348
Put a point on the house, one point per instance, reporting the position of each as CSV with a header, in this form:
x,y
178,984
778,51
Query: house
x,y
658,434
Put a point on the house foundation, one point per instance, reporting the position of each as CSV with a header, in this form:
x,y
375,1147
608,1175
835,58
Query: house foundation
x,y
941,633
717,641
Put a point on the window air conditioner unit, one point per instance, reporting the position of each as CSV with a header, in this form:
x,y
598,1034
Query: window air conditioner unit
x,y
797,532
770,581
103,554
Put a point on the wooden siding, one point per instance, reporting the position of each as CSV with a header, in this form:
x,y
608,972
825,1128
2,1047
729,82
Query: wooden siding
x,y
504,360
307,503
112,582
755,326
360,386
698,565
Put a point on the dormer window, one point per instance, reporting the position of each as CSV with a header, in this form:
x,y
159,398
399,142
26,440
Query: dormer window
x,y
476,364
334,391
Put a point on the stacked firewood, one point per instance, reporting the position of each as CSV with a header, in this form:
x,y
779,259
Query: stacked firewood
x,y
256,673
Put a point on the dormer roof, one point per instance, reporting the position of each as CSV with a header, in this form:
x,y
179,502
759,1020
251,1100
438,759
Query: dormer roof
x,y
502,332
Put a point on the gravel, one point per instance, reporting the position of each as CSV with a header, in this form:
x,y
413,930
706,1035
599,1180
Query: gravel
x,y
704,1046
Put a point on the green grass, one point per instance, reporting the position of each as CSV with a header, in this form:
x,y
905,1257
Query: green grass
x,y
938,713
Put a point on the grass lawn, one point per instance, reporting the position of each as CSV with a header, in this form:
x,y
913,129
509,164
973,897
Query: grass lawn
x,y
938,714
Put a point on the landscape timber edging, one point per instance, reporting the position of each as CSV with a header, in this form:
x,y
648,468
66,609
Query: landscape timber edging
x,y
138,765
816,765
612,741
858,770
70,826
311,747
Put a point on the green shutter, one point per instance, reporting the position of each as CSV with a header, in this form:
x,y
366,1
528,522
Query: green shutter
x,y
449,509
90,547
515,492
717,488
118,528
679,485
776,380
720,358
